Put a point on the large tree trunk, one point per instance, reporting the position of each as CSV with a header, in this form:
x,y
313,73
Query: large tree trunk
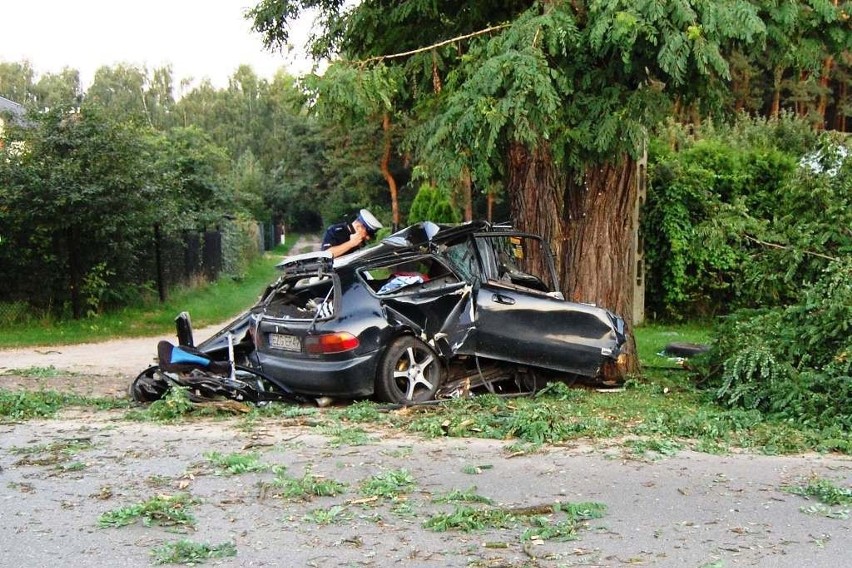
x,y
535,189
589,225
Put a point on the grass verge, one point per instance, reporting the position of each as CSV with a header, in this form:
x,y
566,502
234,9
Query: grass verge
x,y
28,405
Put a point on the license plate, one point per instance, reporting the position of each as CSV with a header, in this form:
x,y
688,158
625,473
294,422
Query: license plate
x,y
286,342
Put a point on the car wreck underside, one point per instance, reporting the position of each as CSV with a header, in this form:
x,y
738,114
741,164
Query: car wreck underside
x,y
209,380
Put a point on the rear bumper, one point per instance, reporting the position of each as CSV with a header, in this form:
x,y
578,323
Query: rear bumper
x,y
347,378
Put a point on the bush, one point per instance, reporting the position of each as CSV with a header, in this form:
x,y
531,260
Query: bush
x,y
735,218
433,204
794,362
240,246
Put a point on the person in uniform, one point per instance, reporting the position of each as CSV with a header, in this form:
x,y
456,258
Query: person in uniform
x,y
343,238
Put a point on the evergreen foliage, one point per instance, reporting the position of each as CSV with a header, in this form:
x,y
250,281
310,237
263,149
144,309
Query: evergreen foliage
x,y
433,204
793,362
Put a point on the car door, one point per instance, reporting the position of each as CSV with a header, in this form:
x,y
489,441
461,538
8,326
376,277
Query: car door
x,y
521,318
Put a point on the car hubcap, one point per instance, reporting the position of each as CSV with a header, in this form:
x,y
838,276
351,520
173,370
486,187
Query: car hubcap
x,y
412,373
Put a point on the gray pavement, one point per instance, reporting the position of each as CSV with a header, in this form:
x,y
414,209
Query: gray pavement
x,y
689,509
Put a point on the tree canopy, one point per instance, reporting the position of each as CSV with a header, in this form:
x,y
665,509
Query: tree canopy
x,y
553,98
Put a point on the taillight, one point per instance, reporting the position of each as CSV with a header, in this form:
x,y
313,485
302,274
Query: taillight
x,y
330,343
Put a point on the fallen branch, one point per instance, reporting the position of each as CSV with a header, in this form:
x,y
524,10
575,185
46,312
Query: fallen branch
x,y
777,246
226,405
433,46
531,510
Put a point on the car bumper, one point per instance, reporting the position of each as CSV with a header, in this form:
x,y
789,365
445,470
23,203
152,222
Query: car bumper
x,y
346,378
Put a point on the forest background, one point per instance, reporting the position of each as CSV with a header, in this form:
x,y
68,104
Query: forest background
x,y
533,112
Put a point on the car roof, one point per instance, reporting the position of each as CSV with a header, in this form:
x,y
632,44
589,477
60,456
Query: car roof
x,y
308,263
413,239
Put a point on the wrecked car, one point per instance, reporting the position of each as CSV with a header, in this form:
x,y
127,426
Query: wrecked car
x,y
433,311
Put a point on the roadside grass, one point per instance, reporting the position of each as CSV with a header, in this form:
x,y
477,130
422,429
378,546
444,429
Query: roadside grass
x,y
37,372
652,338
191,553
29,405
650,418
654,415
832,501
207,303
163,510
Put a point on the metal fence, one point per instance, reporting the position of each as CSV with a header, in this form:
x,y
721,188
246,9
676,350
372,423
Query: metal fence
x,y
34,287
182,261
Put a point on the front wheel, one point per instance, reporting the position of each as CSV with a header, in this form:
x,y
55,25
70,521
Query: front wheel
x,y
411,372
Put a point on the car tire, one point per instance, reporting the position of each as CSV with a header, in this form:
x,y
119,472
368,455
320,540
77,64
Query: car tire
x,y
148,386
410,373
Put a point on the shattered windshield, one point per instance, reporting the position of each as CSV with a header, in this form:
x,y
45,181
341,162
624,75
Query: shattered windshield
x,y
463,258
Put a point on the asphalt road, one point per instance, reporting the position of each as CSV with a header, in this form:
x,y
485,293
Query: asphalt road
x,y
690,509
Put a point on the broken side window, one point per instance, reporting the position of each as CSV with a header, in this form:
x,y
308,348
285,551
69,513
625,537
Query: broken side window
x,y
462,256
520,261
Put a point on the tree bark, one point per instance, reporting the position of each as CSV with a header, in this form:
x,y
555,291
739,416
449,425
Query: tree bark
x,y
534,187
775,111
386,155
824,80
597,236
467,194
589,225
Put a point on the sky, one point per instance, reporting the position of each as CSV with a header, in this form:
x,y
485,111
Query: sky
x,y
199,38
